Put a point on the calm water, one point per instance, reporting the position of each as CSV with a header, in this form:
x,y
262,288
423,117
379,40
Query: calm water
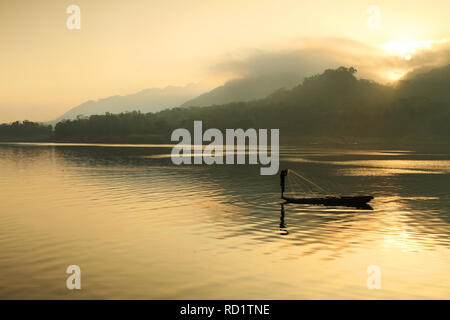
x,y
142,228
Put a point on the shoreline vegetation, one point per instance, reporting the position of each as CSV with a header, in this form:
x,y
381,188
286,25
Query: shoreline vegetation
x,y
331,108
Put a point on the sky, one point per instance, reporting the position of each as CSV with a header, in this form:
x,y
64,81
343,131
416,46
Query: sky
x,y
123,47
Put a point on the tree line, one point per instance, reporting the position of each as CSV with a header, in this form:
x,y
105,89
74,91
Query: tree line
x,y
330,106
25,129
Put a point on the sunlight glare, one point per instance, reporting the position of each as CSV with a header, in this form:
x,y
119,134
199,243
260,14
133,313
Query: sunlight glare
x,y
406,49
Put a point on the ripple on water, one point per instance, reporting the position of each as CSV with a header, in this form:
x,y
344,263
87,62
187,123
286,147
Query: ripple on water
x,y
142,228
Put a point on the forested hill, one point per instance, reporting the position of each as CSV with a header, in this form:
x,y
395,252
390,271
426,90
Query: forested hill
x,y
333,106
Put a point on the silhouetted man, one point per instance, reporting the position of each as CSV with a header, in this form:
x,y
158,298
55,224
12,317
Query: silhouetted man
x,y
283,175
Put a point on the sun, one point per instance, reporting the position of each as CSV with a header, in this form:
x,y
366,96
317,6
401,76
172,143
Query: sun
x,y
405,49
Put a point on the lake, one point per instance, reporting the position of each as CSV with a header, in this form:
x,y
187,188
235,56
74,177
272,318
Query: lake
x,y
142,228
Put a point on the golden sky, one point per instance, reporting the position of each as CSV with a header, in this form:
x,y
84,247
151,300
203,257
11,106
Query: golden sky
x,y
126,46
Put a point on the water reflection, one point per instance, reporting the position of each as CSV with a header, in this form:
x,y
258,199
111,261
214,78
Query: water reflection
x,y
283,228
142,225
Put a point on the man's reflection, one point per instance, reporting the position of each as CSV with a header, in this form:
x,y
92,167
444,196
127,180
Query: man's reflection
x,y
283,229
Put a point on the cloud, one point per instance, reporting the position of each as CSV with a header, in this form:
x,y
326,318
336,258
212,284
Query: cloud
x,y
437,53
308,57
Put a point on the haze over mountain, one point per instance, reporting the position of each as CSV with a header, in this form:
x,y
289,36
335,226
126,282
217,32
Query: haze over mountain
x,y
244,89
332,106
261,73
148,100
154,100
430,84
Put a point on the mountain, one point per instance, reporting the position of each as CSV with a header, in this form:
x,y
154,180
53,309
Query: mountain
x,y
427,83
148,100
154,100
332,107
243,89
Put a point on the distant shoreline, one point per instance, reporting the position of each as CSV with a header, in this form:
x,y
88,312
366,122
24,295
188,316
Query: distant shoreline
x,y
154,139
290,141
